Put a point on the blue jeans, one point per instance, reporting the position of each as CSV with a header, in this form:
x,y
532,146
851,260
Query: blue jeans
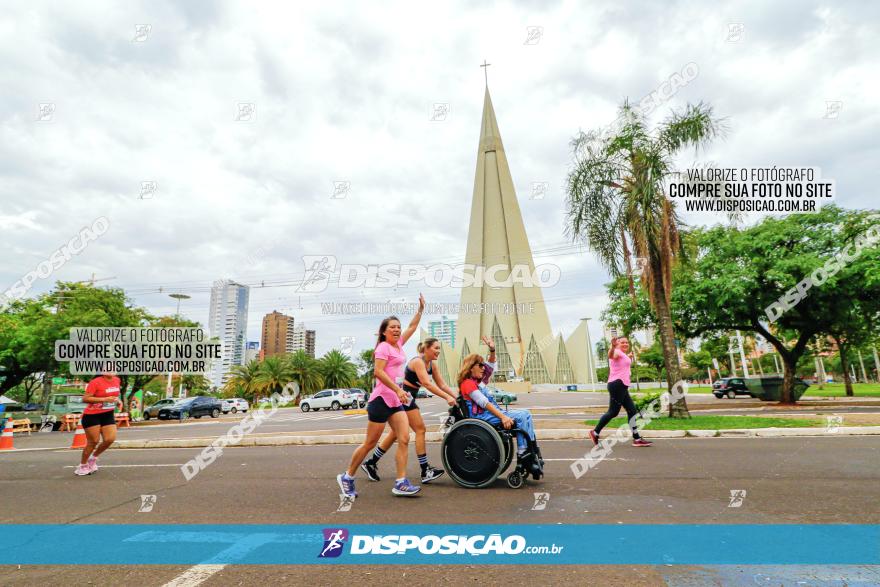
x,y
523,419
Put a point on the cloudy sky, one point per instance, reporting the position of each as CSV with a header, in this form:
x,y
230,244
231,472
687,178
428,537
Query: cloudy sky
x,y
94,106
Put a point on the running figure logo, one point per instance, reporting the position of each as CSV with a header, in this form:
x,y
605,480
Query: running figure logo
x,y
541,500
737,496
334,541
318,268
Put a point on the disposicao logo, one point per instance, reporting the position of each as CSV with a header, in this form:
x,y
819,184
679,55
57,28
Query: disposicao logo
x,y
334,541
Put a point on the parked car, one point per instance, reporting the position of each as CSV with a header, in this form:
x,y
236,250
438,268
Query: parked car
x,y
360,394
730,387
153,411
195,407
503,397
423,393
329,399
233,405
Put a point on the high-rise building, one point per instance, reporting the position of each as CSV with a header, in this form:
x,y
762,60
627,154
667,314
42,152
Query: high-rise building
x,y
443,330
278,335
227,321
253,352
304,340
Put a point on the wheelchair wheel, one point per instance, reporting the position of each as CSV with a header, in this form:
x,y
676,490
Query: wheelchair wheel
x,y
515,480
510,446
473,453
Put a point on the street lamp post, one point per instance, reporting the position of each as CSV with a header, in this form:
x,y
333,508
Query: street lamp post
x,y
168,390
591,364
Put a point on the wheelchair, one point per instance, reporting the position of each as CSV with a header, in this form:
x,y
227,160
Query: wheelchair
x,y
475,453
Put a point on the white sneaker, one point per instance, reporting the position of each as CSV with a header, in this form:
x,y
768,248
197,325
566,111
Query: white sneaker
x,y
82,470
92,464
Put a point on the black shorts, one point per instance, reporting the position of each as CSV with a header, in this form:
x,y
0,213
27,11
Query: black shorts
x,y
103,419
412,405
379,412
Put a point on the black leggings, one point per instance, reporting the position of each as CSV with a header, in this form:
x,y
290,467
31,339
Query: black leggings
x,y
619,396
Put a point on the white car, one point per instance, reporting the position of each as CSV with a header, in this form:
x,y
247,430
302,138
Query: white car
x,y
235,404
329,399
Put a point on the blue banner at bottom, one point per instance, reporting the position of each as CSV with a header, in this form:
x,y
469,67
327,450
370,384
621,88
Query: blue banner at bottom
x,y
712,544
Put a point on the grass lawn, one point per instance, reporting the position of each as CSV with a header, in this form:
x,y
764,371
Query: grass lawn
x,y
830,390
720,423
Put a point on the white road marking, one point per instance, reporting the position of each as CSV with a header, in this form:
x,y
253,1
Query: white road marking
x,y
581,458
195,576
124,466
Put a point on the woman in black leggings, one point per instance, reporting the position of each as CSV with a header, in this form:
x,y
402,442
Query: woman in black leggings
x,y
618,389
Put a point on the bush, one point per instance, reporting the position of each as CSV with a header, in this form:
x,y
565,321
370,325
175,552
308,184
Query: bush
x,y
644,399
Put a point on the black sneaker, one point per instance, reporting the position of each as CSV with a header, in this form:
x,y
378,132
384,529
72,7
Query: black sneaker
x,y
371,470
432,473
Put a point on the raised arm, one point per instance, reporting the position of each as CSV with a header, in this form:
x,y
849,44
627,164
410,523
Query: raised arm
x,y
414,323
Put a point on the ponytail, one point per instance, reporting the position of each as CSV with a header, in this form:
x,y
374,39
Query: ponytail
x,y
426,344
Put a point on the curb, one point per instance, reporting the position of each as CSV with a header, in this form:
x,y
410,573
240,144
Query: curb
x,y
547,434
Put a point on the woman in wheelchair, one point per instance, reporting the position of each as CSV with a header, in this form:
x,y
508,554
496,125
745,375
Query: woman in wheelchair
x,y
481,404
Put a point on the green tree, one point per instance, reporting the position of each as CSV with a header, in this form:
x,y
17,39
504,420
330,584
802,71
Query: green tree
x,y
616,203
243,381
305,371
30,327
740,273
365,366
273,374
337,369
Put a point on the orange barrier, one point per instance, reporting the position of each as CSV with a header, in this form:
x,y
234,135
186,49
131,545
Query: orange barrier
x,y
69,422
6,436
123,418
23,425
79,437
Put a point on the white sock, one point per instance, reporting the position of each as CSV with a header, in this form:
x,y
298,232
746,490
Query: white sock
x,y
401,479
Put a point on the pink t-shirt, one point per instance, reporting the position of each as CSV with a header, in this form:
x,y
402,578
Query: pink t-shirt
x,y
619,367
396,360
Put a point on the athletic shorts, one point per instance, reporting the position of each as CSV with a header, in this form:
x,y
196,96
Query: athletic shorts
x,y
379,412
412,405
103,419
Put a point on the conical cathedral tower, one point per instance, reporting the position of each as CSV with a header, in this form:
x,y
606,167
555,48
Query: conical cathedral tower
x,y
497,236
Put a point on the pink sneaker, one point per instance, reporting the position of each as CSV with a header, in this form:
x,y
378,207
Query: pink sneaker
x,y
92,464
642,442
82,470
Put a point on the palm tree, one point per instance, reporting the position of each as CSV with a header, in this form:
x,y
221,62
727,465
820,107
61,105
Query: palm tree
x,y
616,204
304,370
366,362
243,381
273,375
337,369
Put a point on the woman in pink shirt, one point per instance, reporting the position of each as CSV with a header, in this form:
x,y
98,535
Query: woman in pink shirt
x,y
618,389
386,403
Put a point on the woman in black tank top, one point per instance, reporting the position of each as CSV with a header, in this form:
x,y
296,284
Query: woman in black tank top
x,y
419,372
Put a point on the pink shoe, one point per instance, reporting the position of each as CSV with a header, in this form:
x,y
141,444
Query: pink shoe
x,y
594,437
642,442
82,470
92,464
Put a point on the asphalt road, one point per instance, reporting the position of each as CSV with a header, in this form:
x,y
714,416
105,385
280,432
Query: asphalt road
x,y
787,480
546,407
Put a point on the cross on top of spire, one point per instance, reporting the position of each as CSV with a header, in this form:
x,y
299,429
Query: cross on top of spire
x,y
486,71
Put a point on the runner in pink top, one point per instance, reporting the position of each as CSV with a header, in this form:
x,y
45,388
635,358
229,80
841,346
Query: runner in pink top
x,y
618,390
386,403
619,369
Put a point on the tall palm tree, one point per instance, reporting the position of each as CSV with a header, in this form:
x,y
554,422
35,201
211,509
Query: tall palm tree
x,y
337,369
243,381
273,375
617,205
304,370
